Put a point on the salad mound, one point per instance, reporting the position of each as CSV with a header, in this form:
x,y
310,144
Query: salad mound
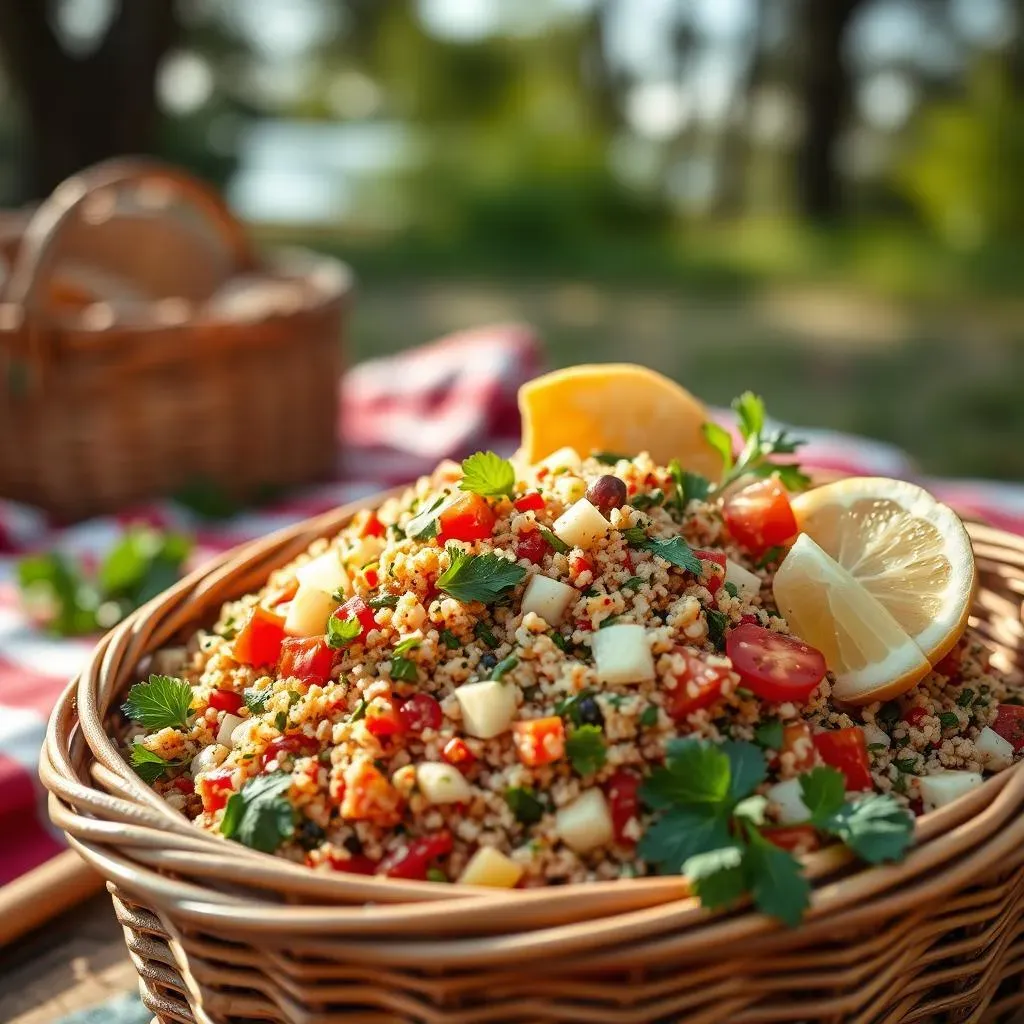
x,y
577,669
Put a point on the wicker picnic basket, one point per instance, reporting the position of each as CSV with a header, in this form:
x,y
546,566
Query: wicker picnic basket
x,y
221,934
145,348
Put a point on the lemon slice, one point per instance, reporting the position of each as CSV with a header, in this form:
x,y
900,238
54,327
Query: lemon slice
x,y
870,653
906,549
615,407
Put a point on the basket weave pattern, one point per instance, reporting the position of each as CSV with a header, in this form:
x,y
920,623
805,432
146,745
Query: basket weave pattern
x,y
223,935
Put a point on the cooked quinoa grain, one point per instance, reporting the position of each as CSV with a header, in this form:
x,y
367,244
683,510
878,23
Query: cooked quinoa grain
x,y
457,671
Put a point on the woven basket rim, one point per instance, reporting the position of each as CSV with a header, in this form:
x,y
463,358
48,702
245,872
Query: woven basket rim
x,y
138,841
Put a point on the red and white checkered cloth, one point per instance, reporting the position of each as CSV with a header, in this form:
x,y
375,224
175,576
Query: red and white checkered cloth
x,y
401,415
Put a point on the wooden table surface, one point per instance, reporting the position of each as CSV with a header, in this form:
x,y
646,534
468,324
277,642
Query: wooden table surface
x,y
75,962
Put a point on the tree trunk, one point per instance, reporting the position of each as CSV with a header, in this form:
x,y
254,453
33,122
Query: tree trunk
x,y
81,109
825,91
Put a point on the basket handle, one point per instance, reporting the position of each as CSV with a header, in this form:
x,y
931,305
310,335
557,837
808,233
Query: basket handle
x,y
40,245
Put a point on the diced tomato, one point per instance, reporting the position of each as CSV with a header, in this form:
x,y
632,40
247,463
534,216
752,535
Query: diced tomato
x,y
420,712
456,752
357,608
532,546
468,518
794,838
914,715
797,741
749,620
295,744
539,740
775,666
306,658
382,717
623,801
1009,724
579,564
714,583
413,860
370,526
760,516
718,557
215,787
847,751
226,700
708,680
259,640
369,796
355,863
372,578
183,784
529,502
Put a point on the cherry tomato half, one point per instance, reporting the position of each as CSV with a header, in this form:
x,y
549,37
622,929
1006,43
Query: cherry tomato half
x,y
622,791
706,679
295,744
759,516
468,518
420,712
226,700
1009,724
776,667
847,751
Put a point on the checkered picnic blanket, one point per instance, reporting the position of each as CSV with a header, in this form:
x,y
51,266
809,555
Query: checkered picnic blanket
x,y
400,416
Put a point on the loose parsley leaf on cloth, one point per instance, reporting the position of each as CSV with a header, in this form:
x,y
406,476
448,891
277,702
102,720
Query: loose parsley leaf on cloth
x,y
162,703
260,815
524,805
488,474
708,821
675,551
586,749
760,446
478,577
149,766
341,632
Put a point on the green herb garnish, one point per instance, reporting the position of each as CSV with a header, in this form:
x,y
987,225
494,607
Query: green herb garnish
x,y
610,458
635,535
488,474
504,667
524,804
404,669
965,699
949,720
730,589
568,707
149,766
424,525
557,544
717,623
482,631
769,734
342,631
675,551
383,601
450,640
634,583
360,711
260,815
610,621
586,749
641,502
649,716
281,721
256,698
162,703
771,555
478,577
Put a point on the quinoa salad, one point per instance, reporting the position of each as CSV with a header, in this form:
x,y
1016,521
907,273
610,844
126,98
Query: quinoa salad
x,y
530,675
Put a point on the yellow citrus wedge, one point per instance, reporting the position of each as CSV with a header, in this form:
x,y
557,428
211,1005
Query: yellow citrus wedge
x,y
863,644
615,407
906,549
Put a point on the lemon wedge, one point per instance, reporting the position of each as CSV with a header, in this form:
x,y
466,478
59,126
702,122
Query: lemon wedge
x,y
615,407
909,551
863,644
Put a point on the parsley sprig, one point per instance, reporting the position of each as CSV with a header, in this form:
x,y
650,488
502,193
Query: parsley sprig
x,y
162,703
586,750
260,815
710,826
489,475
478,577
150,766
760,446
342,631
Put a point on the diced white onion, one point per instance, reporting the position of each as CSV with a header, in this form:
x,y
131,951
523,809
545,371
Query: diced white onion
x,y
309,611
489,867
586,823
207,758
622,654
994,752
324,573
787,799
944,787
747,584
487,708
548,598
580,525
442,784
229,723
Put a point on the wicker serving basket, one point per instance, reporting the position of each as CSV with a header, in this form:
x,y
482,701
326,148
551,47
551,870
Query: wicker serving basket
x,y
220,933
144,347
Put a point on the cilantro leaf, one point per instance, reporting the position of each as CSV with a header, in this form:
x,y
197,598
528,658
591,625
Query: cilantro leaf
x,y
450,640
776,880
341,632
256,699
557,544
747,768
682,833
478,577
161,703
524,805
504,667
875,827
717,877
823,790
676,552
260,815
488,474
586,749
721,440
769,734
696,772
717,621
149,766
